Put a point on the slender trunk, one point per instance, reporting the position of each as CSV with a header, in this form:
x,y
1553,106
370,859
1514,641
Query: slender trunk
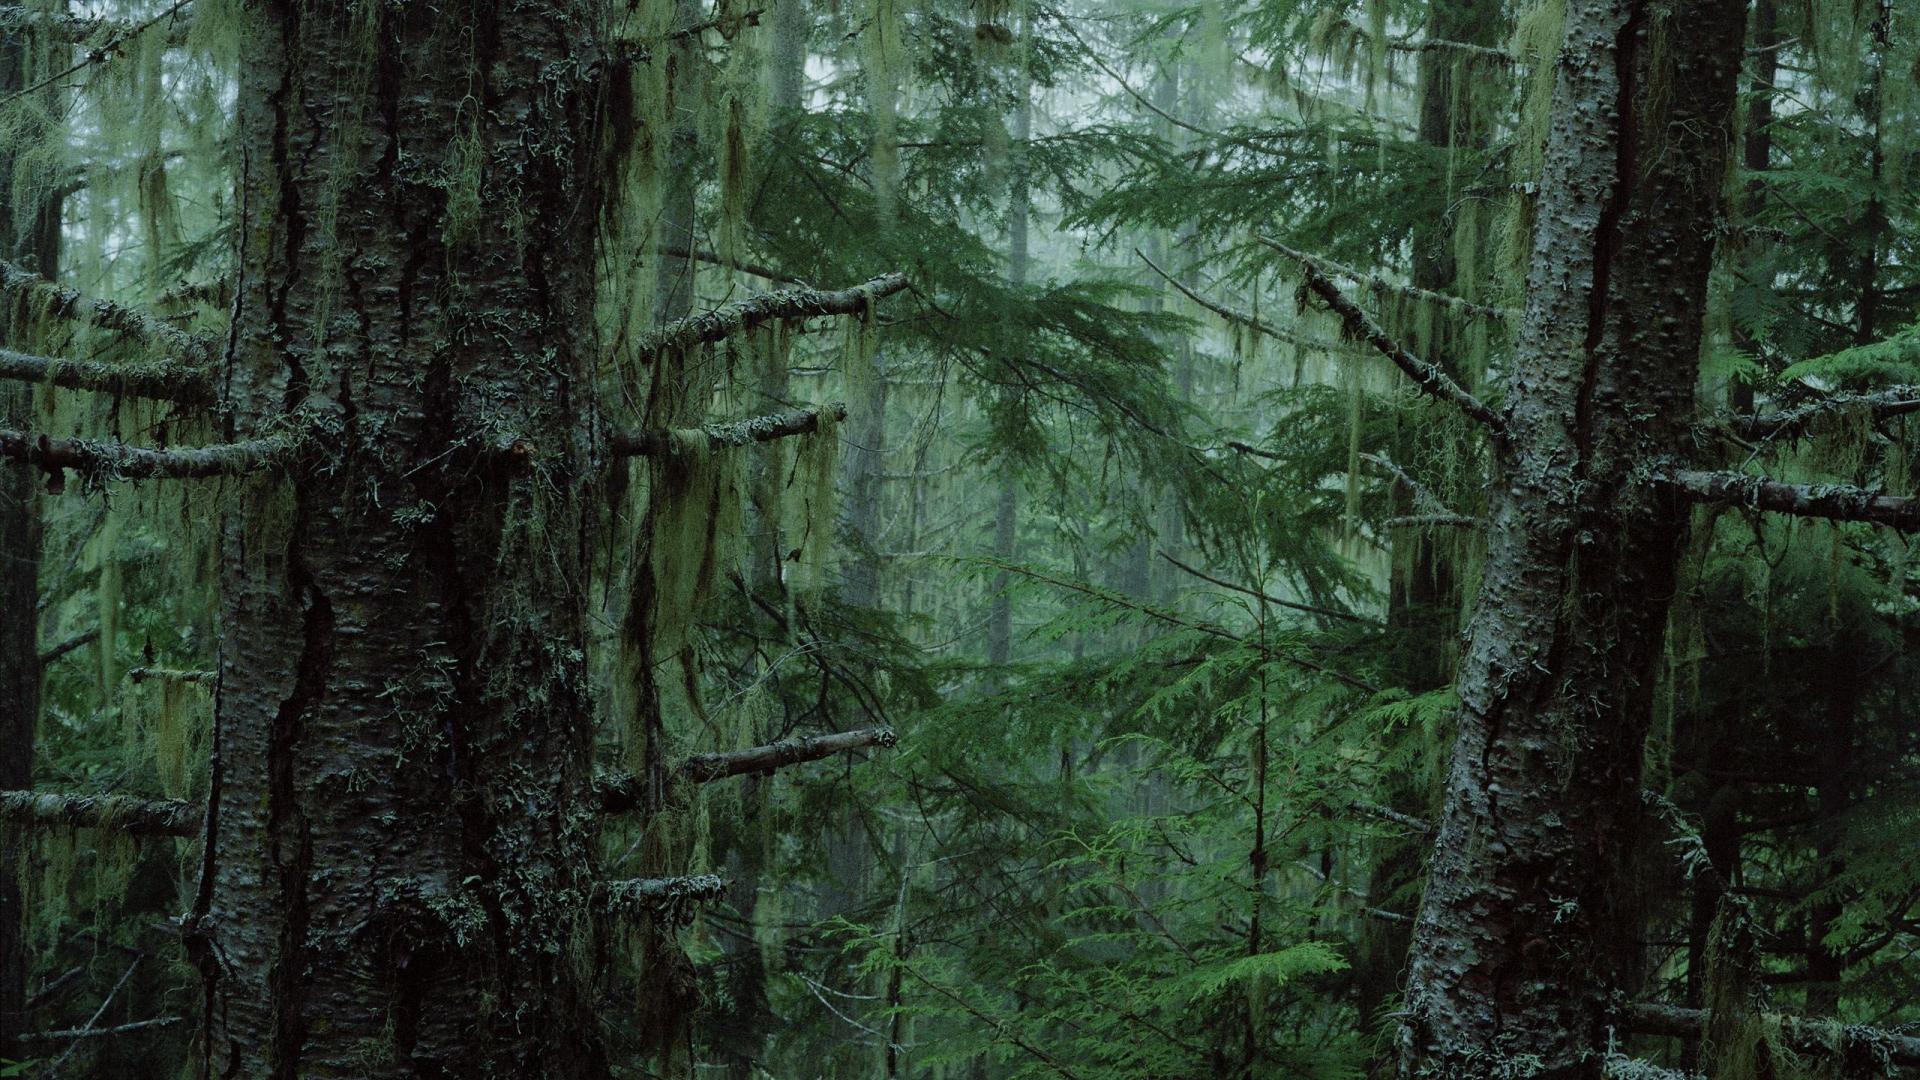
x,y
401,848
1006,506
1518,952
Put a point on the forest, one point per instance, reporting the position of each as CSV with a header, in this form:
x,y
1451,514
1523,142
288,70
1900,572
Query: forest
x,y
959,539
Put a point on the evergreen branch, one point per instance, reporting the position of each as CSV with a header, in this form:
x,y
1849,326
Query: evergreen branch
x,y
1247,319
139,817
669,900
1894,401
69,1034
117,461
161,382
620,792
711,326
1805,1034
1380,286
99,54
1331,613
196,349
1834,502
996,1023
1361,325
1173,619
731,434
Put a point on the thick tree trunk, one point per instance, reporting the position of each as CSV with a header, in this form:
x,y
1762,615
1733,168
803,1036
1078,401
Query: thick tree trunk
x,y
1518,952
400,863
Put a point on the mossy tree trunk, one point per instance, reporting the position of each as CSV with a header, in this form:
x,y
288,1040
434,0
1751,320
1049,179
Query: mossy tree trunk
x,y
1519,950
401,860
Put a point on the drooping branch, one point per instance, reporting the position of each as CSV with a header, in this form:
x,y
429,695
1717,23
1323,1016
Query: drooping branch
x,y
117,461
733,433
1380,286
1803,1034
620,792
161,382
669,900
1361,325
1835,502
1247,319
123,813
1894,401
711,326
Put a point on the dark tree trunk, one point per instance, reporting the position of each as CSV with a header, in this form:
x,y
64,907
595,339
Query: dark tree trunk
x,y
1518,950
20,528
400,868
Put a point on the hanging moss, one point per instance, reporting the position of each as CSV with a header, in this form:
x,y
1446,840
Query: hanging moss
x,y
811,507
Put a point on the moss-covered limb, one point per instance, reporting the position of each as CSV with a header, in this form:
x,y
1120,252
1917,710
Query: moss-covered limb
x,y
70,1034
82,29
1246,319
711,326
160,674
1391,816
1835,502
117,461
702,768
1362,326
1894,401
161,382
101,52
1802,1033
141,817
669,900
1380,286
1487,53
1432,521
196,349
733,433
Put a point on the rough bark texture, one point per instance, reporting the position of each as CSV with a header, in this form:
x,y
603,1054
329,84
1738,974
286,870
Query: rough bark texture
x,y
1518,951
139,817
401,839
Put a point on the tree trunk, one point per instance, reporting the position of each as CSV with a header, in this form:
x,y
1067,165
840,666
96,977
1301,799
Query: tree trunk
x,y
1006,506
20,529
1518,951
400,867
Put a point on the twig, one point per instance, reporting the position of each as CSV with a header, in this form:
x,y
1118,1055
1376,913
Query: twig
x,y
1331,613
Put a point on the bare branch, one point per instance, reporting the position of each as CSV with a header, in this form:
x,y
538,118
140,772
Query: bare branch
x,y
1805,1034
681,251
670,900
1432,521
1330,613
1895,401
730,434
161,382
1361,325
196,349
711,326
100,462
77,641
70,1034
1380,286
620,792
139,817
1246,319
161,674
1389,814
1835,502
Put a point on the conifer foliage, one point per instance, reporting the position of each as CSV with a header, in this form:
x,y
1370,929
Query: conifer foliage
x,y
958,539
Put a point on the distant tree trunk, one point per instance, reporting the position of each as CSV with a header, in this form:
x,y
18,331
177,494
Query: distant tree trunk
x,y
20,529
1006,505
401,862
1518,952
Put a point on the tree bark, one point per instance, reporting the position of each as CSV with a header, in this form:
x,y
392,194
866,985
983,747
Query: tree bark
x,y
401,847
1518,952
